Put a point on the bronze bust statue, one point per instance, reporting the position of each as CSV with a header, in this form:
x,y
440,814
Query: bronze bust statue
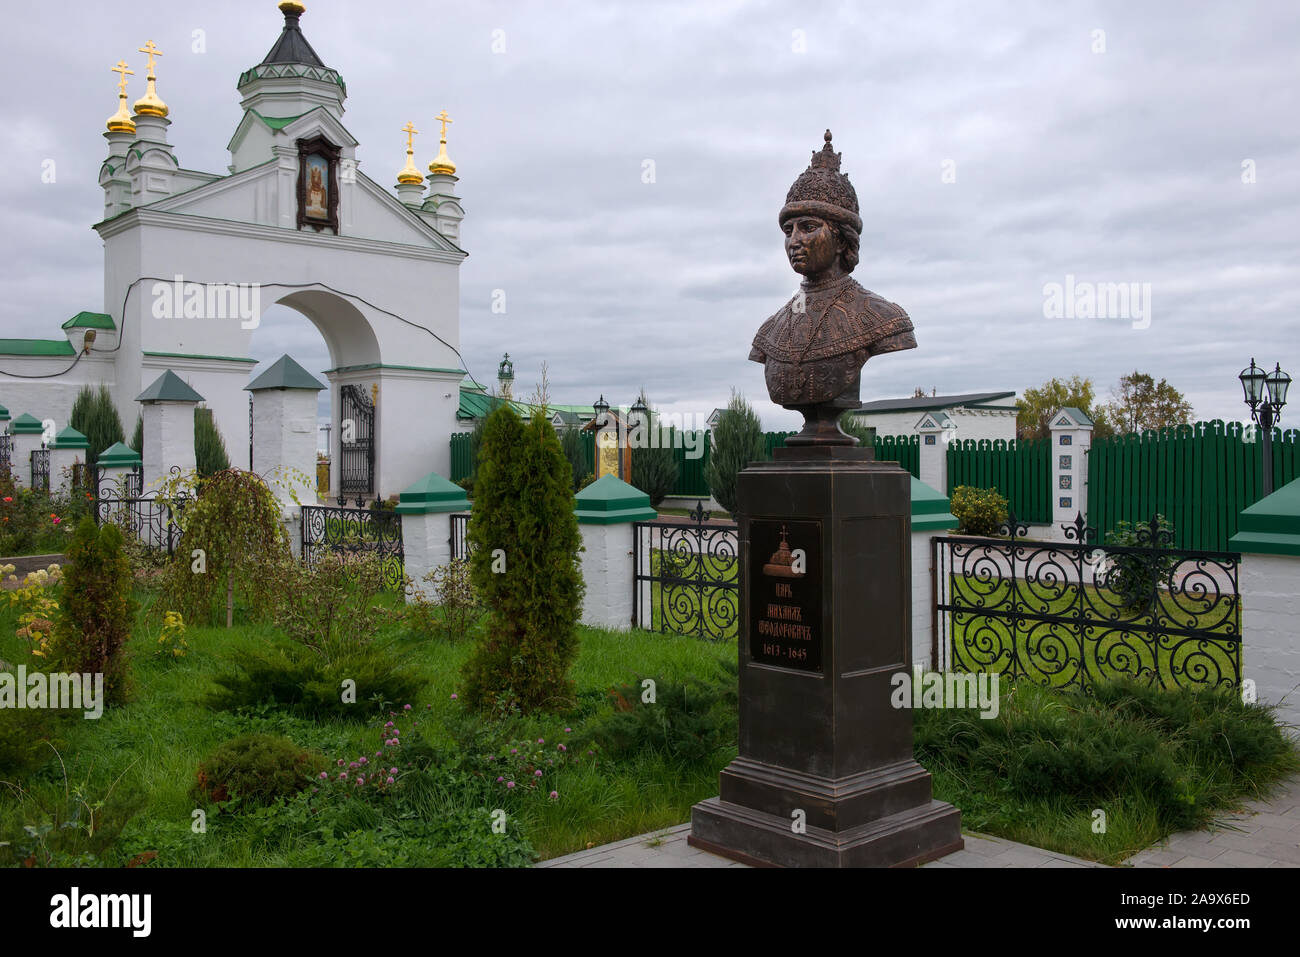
x,y
813,350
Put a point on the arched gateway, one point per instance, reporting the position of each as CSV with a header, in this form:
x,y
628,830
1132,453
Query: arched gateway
x,y
192,260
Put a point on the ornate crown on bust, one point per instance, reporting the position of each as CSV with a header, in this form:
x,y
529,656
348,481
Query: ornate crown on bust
x,y
823,191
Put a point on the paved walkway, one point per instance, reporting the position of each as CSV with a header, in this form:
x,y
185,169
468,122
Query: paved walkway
x,y
1265,834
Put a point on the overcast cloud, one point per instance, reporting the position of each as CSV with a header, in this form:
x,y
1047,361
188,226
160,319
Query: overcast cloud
x,y
1120,166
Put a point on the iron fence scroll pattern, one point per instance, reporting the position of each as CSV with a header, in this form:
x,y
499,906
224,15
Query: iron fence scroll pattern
x,y
686,577
350,532
1074,613
151,520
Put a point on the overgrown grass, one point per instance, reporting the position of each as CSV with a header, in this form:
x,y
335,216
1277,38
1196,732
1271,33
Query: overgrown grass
x,y
144,756
1151,762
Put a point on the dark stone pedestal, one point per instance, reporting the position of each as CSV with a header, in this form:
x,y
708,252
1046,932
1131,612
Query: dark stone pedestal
x,y
825,776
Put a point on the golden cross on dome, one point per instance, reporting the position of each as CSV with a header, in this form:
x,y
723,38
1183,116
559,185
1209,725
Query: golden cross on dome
x,y
153,51
123,72
444,120
410,131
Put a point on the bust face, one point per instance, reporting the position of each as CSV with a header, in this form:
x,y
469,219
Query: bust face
x,y
811,246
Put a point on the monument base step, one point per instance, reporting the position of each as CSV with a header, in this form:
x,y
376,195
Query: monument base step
x,y
905,839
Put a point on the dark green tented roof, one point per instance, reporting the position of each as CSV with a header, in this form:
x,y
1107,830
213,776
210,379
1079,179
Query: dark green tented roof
x,y
284,373
169,387
292,46
90,320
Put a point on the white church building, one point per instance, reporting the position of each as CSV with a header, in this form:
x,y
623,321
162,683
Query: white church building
x,y
192,260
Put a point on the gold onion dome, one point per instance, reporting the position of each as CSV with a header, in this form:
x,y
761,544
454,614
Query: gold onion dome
x,y
442,164
408,174
150,104
121,122
291,6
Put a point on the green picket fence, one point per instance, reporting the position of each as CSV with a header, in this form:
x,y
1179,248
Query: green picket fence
x,y
1199,477
903,449
1020,469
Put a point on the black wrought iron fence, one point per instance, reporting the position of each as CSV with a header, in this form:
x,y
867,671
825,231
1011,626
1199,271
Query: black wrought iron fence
x,y
1074,614
151,520
6,450
350,532
460,546
686,577
41,469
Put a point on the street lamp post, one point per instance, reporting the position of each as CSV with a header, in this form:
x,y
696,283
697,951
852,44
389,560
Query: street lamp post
x,y
1266,395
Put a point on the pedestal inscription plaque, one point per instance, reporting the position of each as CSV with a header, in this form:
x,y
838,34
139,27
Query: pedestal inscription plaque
x,y
785,594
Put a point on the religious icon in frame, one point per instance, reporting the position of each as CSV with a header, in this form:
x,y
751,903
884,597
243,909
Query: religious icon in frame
x,y
318,184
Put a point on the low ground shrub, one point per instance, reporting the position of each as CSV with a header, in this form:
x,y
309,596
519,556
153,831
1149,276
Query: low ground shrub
x,y
981,511
256,768
330,607
303,683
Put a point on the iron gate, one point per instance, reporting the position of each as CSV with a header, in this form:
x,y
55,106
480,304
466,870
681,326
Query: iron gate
x,y
349,532
6,450
357,455
685,577
41,469
1073,614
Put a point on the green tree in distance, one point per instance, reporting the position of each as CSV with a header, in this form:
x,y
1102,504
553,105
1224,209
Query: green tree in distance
x,y
1139,403
1035,410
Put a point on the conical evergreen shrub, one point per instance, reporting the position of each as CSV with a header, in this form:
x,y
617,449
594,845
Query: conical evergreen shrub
x,y
209,448
525,568
737,441
94,415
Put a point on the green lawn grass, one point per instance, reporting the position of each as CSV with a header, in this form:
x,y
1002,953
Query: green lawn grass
x,y
152,746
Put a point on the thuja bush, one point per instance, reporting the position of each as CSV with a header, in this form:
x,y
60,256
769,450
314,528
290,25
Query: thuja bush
x,y
257,768
737,441
209,448
981,511
232,538
97,609
94,415
654,469
524,566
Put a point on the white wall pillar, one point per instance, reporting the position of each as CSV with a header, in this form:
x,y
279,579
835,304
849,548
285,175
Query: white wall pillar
x,y
936,430
426,509
606,510
68,449
284,431
930,517
168,416
1071,438
1269,539
28,436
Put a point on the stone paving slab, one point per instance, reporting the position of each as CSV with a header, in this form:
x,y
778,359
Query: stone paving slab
x,y
1265,833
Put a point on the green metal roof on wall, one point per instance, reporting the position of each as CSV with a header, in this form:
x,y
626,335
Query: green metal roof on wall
x,y
70,438
26,424
1076,417
119,455
169,387
90,320
284,373
610,500
930,509
4,414
36,347
433,493
1272,525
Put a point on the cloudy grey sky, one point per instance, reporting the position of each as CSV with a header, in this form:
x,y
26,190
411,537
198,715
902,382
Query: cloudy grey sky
x,y
1112,157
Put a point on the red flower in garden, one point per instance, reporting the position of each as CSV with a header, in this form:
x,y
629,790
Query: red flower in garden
x,y
9,498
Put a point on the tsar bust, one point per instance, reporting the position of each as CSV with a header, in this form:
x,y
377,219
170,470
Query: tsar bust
x,y
814,348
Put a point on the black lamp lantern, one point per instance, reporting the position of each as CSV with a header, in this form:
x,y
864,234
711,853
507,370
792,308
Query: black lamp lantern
x,y
638,416
601,407
1266,395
